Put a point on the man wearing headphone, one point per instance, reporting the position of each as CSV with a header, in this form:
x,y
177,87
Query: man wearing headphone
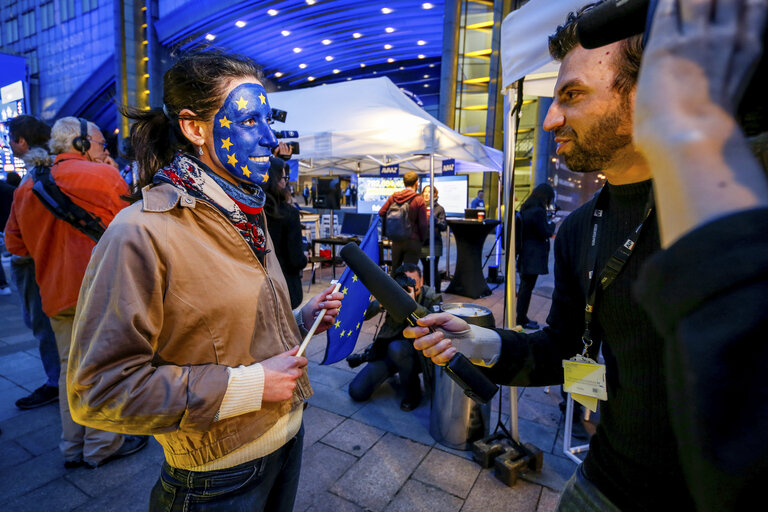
x,y
84,174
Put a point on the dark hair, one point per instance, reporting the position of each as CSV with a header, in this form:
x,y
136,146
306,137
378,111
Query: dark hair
x,y
410,178
274,196
408,267
12,178
542,195
197,81
34,131
627,61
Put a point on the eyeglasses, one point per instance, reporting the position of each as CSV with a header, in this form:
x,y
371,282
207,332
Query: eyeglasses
x,y
286,178
102,142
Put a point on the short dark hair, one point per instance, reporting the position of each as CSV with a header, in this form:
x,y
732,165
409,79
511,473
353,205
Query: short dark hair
x,y
34,131
627,61
410,178
408,267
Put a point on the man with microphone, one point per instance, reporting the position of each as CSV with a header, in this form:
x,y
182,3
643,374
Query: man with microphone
x,y
632,463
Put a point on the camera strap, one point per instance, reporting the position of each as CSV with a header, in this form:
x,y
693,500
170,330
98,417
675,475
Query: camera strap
x,y
603,279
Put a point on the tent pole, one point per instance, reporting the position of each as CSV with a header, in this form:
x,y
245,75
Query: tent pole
x,y
510,96
432,267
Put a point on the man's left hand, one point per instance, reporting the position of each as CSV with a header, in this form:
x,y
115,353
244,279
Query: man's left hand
x,y
327,300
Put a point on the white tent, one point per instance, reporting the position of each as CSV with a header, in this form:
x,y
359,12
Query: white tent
x,y
525,56
358,125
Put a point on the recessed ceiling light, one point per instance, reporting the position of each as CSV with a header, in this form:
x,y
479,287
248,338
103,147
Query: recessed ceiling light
x,y
285,32
302,66
310,2
387,46
357,34
349,78
296,50
362,64
421,42
386,10
327,42
239,23
336,71
389,30
426,85
310,78
329,58
390,60
422,56
427,5
210,37
374,72
278,74
272,12
431,65
402,68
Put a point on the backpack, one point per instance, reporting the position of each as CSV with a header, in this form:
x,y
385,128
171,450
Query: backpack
x,y
397,225
62,207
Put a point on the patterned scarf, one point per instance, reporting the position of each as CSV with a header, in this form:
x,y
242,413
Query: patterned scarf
x,y
239,205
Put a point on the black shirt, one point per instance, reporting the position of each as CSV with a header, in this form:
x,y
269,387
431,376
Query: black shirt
x,y
632,456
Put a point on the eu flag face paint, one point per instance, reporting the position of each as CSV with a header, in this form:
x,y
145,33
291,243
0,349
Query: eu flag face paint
x,y
241,133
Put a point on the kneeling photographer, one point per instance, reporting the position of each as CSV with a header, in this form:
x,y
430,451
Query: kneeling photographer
x,y
390,352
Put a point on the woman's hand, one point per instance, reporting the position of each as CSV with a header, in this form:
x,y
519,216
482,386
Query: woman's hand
x,y
435,345
280,375
327,300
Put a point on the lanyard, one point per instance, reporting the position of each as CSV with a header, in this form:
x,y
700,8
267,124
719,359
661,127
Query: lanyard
x,y
614,265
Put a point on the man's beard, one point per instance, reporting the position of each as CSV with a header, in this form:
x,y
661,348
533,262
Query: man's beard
x,y
594,149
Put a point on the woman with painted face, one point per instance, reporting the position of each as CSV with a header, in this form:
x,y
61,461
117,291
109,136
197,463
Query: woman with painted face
x,y
184,328
284,226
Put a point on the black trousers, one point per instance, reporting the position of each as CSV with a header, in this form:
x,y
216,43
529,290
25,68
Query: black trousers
x,y
524,291
407,251
401,358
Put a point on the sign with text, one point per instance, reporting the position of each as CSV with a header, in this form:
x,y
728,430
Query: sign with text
x,y
449,167
389,170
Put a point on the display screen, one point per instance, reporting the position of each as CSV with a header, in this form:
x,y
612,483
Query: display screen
x,y
451,192
373,191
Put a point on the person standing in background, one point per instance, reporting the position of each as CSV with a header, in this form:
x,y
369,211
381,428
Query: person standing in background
x,y
533,256
441,226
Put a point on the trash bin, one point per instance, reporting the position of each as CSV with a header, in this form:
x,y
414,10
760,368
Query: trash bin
x,y
455,420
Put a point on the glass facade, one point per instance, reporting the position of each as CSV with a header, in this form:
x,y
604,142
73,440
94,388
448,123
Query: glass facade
x,y
64,42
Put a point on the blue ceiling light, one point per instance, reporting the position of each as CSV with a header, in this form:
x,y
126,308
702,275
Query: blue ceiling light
x,y
357,30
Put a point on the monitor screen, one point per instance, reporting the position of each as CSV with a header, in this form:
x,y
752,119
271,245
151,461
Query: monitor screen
x,y
451,192
355,224
373,191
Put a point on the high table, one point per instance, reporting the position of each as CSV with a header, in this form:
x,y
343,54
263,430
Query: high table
x,y
468,279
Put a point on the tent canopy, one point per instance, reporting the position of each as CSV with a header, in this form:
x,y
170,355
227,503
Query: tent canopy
x,y
358,125
524,44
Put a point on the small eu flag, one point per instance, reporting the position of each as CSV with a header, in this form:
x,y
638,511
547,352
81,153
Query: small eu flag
x,y
342,337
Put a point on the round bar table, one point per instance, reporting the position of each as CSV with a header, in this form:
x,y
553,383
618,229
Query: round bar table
x,y
468,279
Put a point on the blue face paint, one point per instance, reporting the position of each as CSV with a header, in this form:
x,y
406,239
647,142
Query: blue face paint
x,y
241,133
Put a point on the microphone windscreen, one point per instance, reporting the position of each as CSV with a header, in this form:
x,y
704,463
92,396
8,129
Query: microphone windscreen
x,y
612,21
390,295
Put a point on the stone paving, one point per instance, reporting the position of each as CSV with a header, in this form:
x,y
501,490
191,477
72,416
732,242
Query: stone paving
x,y
367,456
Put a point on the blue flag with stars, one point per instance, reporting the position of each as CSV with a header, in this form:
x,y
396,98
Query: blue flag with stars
x,y
342,337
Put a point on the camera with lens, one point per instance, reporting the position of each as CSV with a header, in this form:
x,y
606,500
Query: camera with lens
x,y
404,281
281,115
373,352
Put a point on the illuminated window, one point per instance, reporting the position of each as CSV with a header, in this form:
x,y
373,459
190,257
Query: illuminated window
x,y
89,5
28,22
47,19
12,30
67,9
31,57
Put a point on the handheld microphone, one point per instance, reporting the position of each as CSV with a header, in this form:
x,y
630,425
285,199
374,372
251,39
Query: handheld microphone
x,y
612,21
403,308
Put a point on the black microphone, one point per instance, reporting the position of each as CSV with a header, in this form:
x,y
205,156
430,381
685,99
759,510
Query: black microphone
x,y
612,21
403,308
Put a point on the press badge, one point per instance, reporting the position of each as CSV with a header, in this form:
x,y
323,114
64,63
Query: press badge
x,y
585,380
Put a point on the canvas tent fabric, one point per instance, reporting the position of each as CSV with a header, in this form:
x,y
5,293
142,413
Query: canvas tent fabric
x,y
356,125
525,45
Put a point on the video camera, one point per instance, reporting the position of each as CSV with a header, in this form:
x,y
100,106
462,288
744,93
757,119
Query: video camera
x,y
614,20
404,281
281,115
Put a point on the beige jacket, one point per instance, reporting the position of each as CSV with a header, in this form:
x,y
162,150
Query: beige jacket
x,y
173,295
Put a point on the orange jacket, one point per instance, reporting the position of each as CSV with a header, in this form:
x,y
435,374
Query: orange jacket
x,y
61,252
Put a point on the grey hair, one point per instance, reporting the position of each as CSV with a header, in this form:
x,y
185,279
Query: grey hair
x,y
37,156
64,131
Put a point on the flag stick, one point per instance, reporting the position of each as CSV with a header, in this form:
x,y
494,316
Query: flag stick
x,y
319,319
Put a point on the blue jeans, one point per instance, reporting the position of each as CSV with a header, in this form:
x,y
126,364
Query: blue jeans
x,y
581,495
267,484
23,277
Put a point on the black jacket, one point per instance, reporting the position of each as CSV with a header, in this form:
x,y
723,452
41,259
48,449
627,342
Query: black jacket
x,y
536,233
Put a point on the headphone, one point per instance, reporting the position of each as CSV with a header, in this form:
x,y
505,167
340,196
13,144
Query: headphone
x,y
81,142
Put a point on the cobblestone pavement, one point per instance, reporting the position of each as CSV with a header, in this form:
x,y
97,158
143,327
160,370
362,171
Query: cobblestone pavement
x,y
357,456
